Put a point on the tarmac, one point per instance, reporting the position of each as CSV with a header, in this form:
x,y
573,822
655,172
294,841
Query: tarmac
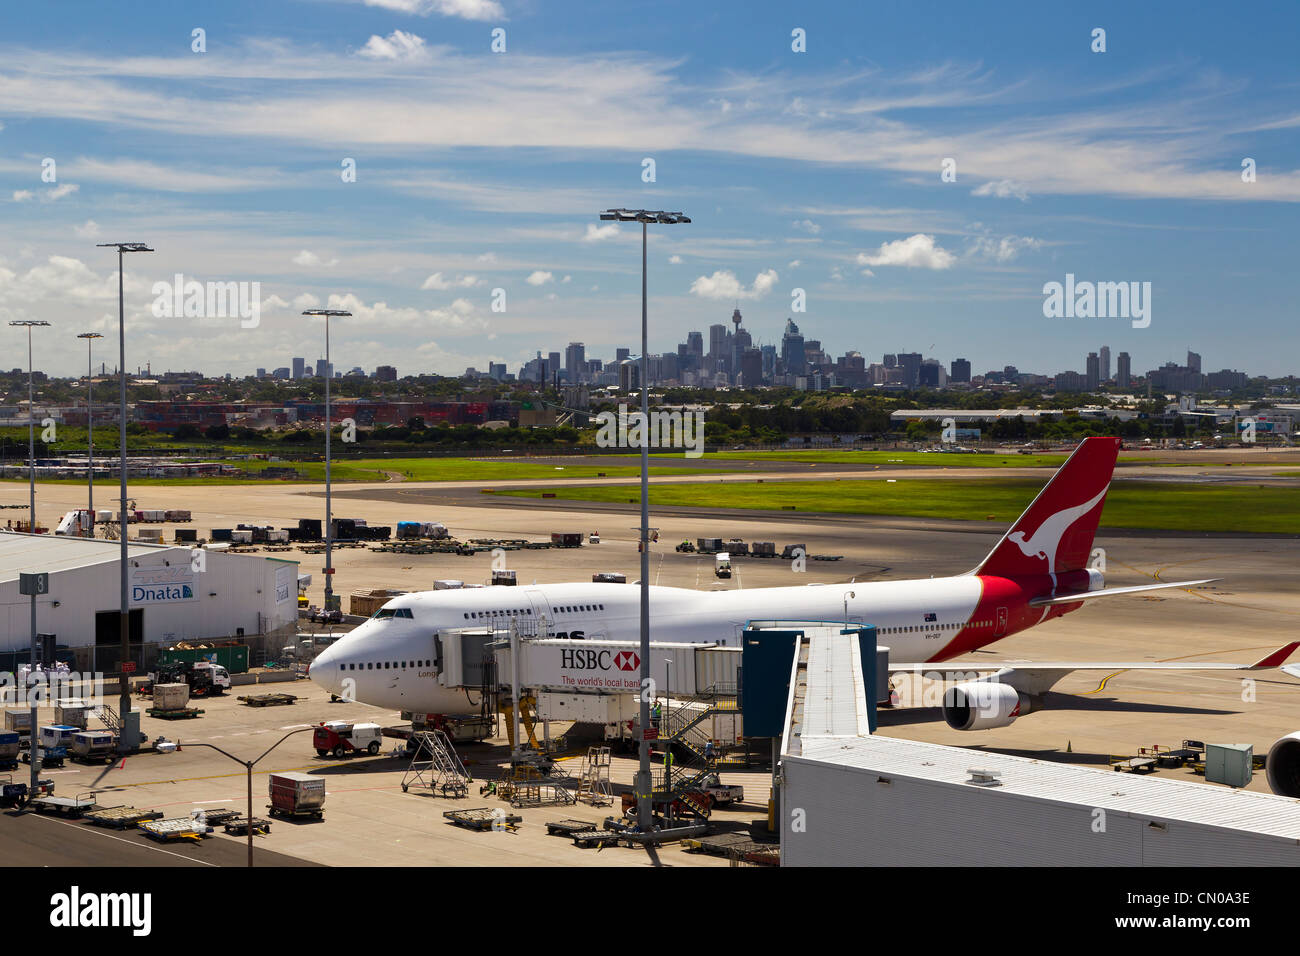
x,y
1089,718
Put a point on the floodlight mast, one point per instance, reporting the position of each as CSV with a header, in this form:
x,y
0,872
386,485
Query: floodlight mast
x,y
90,424
124,698
329,373
644,789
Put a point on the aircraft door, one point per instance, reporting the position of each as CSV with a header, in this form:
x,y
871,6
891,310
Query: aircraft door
x,y
1001,629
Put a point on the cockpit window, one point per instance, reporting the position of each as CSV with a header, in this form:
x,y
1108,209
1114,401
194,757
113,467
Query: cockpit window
x,y
387,612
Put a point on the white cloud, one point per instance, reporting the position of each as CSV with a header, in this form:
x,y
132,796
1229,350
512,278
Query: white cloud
x,y
90,230
306,300
794,264
723,284
58,192
595,233
310,260
439,283
567,279
463,9
1005,249
488,257
22,195
807,225
1002,189
540,278
914,252
675,260
398,45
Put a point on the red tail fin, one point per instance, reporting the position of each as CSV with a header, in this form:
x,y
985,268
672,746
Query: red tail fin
x,y
1055,533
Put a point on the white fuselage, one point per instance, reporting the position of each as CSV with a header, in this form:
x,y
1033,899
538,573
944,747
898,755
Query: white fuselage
x,y
389,660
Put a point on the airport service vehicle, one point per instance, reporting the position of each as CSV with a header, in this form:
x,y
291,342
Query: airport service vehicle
x,y
458,728
296,794
78,524
721,794
203,677
1037,571
722,564
340,738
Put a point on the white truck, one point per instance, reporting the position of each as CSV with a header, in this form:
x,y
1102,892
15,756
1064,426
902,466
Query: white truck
x,y
220,676
722,794
77,524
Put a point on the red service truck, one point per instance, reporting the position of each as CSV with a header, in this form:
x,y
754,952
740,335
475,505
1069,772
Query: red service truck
x,y
342,738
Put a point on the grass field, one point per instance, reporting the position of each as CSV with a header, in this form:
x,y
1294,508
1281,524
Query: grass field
x,y
927,459
1141,505
413,469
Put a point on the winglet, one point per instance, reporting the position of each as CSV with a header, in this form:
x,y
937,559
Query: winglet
x,y
1277,657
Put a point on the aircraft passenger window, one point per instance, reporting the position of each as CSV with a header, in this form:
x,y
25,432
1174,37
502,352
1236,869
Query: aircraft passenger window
x,y
369,665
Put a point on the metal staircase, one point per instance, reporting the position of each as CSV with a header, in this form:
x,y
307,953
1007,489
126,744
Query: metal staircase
x,y
109,718
435,766
594,786
688,756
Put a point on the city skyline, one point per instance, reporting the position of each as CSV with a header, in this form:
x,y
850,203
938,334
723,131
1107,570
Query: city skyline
x,y
818,171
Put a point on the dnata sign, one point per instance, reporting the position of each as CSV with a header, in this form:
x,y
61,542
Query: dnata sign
x,y
162,585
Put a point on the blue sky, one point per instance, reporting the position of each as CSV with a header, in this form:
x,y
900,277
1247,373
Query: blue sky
x,y
817,170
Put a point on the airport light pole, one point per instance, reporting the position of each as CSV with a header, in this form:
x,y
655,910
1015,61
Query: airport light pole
x,y
643,788
30,324
329,538
124,697
90,423
248,766
34,751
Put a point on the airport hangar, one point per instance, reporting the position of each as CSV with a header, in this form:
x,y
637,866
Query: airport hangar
x,y
173,596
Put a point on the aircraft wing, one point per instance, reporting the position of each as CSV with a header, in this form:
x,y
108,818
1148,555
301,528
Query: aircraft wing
x,y
1113,592
1036,677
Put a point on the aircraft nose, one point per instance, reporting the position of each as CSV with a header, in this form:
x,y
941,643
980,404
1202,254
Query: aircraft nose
x,y
324,670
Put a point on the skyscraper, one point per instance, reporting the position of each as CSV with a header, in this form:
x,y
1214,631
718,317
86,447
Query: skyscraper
x,y
792,350
1124,371
960,371
1093,373
910,363
1105,363
575,362
299,367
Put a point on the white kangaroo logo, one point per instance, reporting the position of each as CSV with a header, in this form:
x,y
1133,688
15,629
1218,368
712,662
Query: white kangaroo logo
x,y
1049,534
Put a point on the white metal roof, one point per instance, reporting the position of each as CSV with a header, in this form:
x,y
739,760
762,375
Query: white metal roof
x,y
1157,798
835,731
29,553
835,702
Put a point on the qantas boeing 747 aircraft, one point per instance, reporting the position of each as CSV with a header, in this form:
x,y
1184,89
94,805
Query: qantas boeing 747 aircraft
x,y
1038,571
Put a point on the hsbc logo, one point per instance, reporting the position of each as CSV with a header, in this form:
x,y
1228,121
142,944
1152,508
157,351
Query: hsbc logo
x,y
627,661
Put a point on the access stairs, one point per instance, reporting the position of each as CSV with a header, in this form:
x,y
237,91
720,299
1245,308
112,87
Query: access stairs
x,y
688,756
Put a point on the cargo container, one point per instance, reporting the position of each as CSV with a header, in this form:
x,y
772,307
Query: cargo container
x,y
171,696
447,585
19,720
149,535
9,745
92,744
53,736
708,545
73,712
277,535
763,549
103,516
152,514
434,529
241,537
609,577
187,535
566,539
177,514
789,551
737,546
506,578
296,794
220,534
408,529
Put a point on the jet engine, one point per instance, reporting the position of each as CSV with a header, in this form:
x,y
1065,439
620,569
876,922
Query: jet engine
x,y
983,705
1283,766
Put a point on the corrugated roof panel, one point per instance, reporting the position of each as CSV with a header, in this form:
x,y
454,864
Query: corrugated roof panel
x,y
28,553
1156,797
